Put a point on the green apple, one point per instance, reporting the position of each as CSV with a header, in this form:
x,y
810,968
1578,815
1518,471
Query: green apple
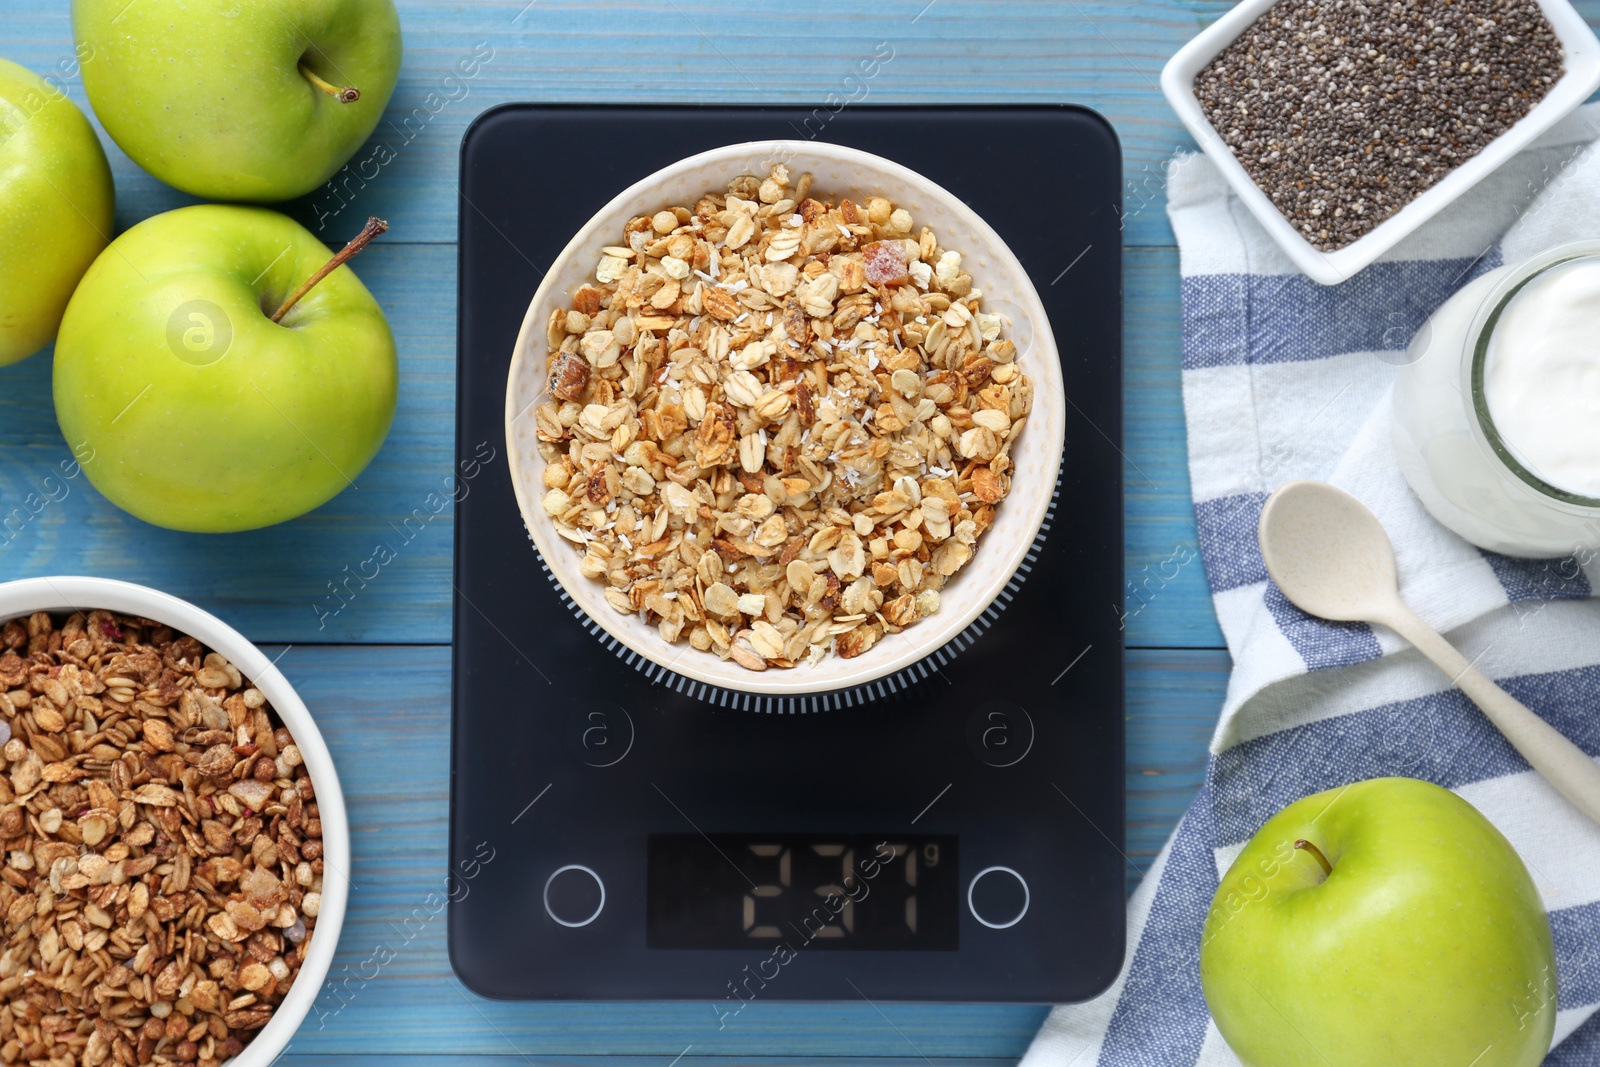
x,y
1382,924
256,100
56,207
191,408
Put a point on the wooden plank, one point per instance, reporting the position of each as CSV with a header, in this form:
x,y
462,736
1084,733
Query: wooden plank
x,y
384,713
1104,54
274,583
396,1015
1173,700
1166,598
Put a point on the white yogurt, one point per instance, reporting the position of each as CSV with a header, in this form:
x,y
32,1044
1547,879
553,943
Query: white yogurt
x,y
1539,397
1541,376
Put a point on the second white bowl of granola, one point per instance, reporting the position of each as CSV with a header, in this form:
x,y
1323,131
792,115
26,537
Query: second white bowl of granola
x,y
166,785
784,417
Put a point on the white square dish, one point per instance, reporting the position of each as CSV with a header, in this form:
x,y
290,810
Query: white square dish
x,y
1581,53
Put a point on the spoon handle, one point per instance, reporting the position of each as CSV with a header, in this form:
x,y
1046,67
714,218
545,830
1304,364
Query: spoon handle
x,y
1563,764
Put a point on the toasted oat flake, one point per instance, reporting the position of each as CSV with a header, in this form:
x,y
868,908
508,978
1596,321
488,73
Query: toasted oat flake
x,y
782,423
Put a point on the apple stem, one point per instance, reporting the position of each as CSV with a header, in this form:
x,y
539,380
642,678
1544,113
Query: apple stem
x,y
373,227
1316,853
348,95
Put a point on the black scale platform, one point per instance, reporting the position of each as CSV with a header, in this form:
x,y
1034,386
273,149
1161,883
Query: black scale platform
x,y
953,833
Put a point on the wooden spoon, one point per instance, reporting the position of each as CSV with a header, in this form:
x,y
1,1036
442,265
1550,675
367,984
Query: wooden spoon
x,y
1331,558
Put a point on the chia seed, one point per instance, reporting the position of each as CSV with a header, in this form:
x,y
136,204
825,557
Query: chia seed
x,y
1343,111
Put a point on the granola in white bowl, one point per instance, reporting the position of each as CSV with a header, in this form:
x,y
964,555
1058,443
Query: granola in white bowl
x,y
778,416
174,829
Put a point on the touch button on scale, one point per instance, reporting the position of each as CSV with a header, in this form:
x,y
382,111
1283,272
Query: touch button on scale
x,y
998,897
574,895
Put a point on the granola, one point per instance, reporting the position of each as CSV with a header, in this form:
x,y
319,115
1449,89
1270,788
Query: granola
x,y
163,848
777,425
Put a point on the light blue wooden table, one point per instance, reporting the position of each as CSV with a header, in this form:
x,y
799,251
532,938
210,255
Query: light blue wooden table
x,y
376,674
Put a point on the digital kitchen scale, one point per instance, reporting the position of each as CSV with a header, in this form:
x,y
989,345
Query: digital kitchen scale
x,y
951,833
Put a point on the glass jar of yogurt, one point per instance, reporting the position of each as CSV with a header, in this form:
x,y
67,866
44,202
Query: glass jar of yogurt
x,y
1497,410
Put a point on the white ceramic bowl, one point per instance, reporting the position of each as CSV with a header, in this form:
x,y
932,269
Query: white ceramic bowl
x,y
1582,77
839,172
64,595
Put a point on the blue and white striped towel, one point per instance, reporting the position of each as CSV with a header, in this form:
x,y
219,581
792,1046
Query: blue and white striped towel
x,y
1286,379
